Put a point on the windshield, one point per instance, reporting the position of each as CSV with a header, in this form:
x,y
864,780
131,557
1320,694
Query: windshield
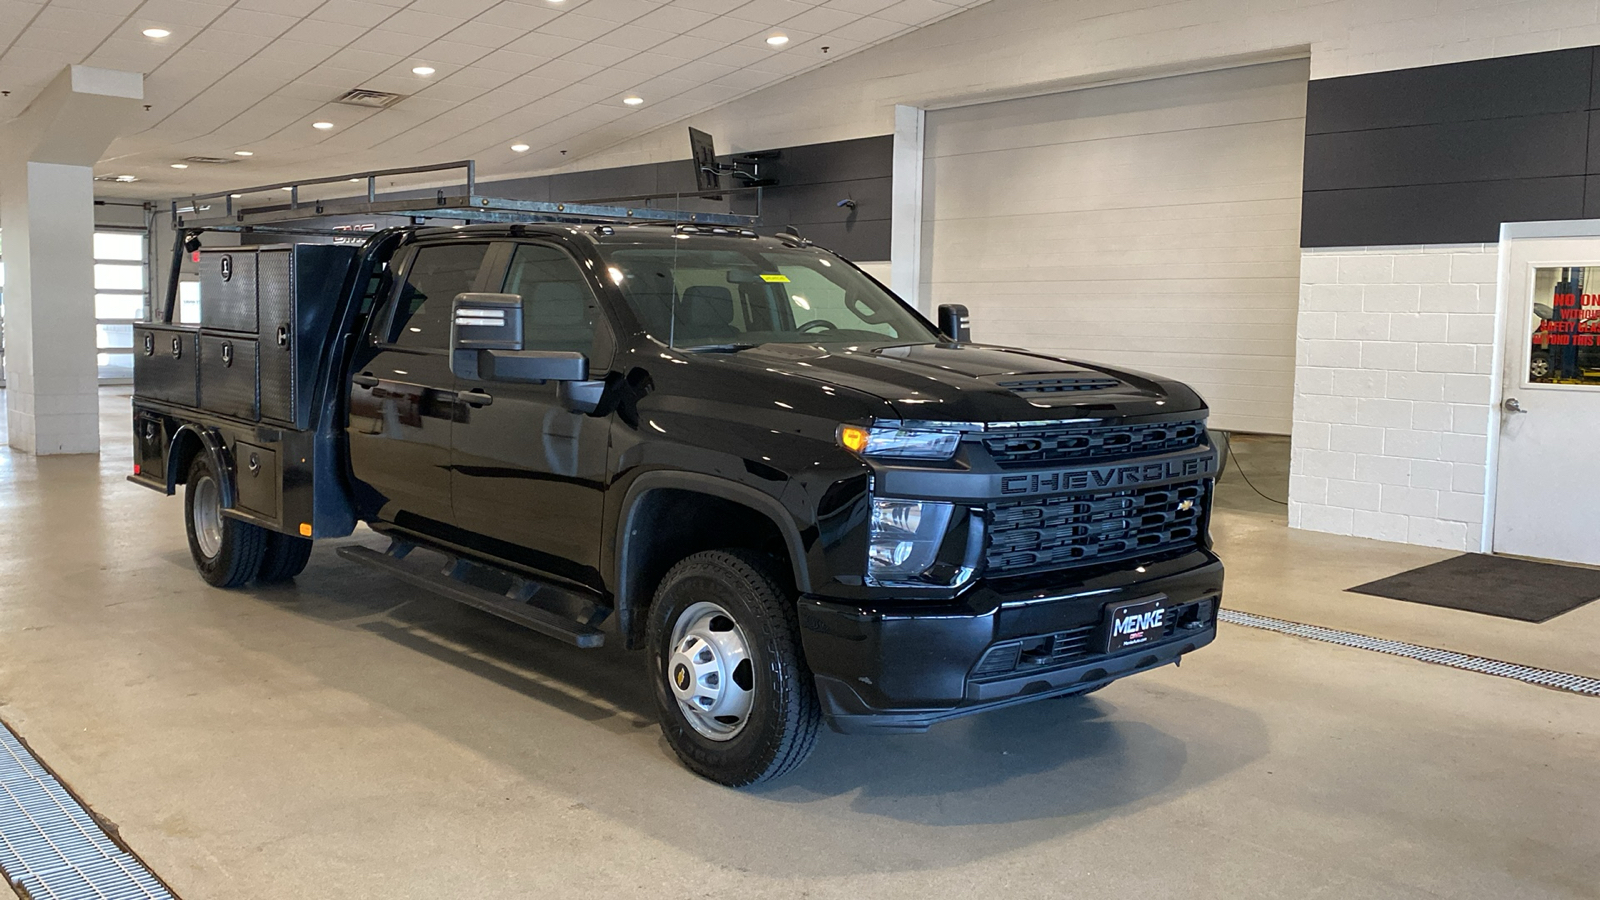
x,y
700,297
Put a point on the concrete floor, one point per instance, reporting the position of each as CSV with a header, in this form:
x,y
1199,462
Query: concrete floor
x,y
346,737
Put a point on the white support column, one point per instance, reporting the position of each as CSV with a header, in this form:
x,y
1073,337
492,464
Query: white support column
x,y
47,217
905,225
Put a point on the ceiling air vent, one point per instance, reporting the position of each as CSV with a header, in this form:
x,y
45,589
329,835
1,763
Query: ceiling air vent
x,y
120,179
370,99
207,160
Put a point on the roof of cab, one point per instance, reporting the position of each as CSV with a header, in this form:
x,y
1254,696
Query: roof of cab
x,y
607,233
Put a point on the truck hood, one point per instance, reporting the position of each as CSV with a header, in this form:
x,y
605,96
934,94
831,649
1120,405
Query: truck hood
x,y
975,382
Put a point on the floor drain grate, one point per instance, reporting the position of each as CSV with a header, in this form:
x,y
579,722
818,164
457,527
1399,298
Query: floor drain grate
x,y
51,848
1564,681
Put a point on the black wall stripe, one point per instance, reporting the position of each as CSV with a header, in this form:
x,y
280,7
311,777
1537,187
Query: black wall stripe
x,y
1445,154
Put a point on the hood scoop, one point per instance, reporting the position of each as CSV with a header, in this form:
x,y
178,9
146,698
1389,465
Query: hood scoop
x,y
1032,387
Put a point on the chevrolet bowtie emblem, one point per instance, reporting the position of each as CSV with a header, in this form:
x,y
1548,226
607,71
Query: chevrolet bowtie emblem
x,y
1185,506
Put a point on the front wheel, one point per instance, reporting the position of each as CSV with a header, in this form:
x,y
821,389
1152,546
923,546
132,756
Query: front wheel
x,y
736,698
227,551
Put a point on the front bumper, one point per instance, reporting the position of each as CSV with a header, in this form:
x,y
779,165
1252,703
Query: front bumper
x,y
886,668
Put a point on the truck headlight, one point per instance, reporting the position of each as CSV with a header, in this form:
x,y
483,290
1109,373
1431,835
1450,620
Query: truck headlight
x,y
904,538
899,443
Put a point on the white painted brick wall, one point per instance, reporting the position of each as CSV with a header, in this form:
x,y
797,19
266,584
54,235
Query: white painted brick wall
x,y
1392,383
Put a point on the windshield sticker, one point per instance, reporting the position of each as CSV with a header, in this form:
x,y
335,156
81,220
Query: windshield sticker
x,y
775,279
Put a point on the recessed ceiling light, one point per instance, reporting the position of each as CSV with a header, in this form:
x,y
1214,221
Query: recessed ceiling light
x,y
422,70
356,180
322,126
180,165
156,32
519,148
244,153
286,189
235,196
778,40
633,101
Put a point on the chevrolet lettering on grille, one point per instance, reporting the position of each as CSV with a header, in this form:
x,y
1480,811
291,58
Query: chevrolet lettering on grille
x,y
1108,476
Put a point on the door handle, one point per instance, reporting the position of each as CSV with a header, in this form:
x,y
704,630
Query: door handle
x,y
364,380
476,397
1512,406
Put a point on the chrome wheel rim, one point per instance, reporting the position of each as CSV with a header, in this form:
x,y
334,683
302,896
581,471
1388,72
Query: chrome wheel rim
x,y
710,673
1540,368
208,516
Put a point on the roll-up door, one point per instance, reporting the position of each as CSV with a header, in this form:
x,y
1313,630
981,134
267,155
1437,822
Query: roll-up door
x,y
1152,225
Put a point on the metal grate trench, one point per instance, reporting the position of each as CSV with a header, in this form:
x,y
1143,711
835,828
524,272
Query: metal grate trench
x,y
51,848
1561,681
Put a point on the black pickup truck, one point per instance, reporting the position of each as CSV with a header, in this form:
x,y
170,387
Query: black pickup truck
x,y
741,454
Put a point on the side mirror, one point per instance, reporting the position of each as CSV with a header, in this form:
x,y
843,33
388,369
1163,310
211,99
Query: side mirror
x,y
486,344
955,323
1545,311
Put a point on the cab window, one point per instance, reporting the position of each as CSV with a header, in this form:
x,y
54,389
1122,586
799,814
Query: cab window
x,y
436,274
559,311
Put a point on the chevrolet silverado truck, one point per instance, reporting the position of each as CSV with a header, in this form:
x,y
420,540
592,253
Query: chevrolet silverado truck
x,y
740,454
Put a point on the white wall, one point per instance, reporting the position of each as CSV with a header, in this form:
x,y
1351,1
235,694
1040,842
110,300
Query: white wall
x,y
1007,48
1394,360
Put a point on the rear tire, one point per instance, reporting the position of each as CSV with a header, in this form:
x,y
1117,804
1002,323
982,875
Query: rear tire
x,y
286,556
227,552
737,700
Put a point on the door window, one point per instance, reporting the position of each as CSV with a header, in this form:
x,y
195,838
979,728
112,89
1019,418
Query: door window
x,y
437,273
558,310
1564,326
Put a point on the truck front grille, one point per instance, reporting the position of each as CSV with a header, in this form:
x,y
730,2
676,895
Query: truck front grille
x,y
1085,442
1055,532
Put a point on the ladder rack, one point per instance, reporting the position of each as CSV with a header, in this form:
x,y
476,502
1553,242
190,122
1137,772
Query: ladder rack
x,y
468,205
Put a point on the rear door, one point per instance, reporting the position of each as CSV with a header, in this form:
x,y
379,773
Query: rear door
x,y
528,474
403,398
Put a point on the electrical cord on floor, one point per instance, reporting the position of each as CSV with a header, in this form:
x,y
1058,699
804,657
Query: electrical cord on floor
x,y
1239,467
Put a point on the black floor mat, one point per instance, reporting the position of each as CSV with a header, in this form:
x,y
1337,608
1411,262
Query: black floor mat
x,y
1494,586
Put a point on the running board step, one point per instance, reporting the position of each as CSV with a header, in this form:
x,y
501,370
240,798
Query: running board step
x,y
439,582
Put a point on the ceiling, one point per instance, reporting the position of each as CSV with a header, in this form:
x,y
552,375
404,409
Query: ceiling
x,y
253,75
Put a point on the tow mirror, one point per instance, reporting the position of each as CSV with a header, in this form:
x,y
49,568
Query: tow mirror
x,y
955,323
486,344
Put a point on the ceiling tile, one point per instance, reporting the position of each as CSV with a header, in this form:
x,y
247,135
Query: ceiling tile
x,y
599,54
863,7
461,8
868,29
674,19
541,44
363,60
295,8
616,11
820,20
331,34
302,52
450,52
572,25
649,63
483,34
431,25
384,41
512,61
483,79
352,12
522,16
916,12
727,29
635,37
715,7
686,46
771,12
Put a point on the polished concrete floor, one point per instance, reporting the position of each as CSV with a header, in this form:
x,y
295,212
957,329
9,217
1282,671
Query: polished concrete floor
x,y
346,737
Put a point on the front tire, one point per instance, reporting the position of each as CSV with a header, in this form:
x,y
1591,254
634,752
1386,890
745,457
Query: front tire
x,y
227,551
737,701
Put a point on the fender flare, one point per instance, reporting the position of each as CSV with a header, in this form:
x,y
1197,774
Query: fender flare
x,y
722,488
212,444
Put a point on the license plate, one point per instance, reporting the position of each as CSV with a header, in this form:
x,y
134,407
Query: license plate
x,y
1135,623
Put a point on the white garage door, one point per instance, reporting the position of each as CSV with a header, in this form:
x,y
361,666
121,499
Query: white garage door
x,y
1153,225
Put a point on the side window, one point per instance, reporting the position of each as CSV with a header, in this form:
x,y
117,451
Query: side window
x,y
421,319
558,310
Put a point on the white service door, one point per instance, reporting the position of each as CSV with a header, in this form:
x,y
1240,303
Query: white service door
x,y
1547,496
1153,225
